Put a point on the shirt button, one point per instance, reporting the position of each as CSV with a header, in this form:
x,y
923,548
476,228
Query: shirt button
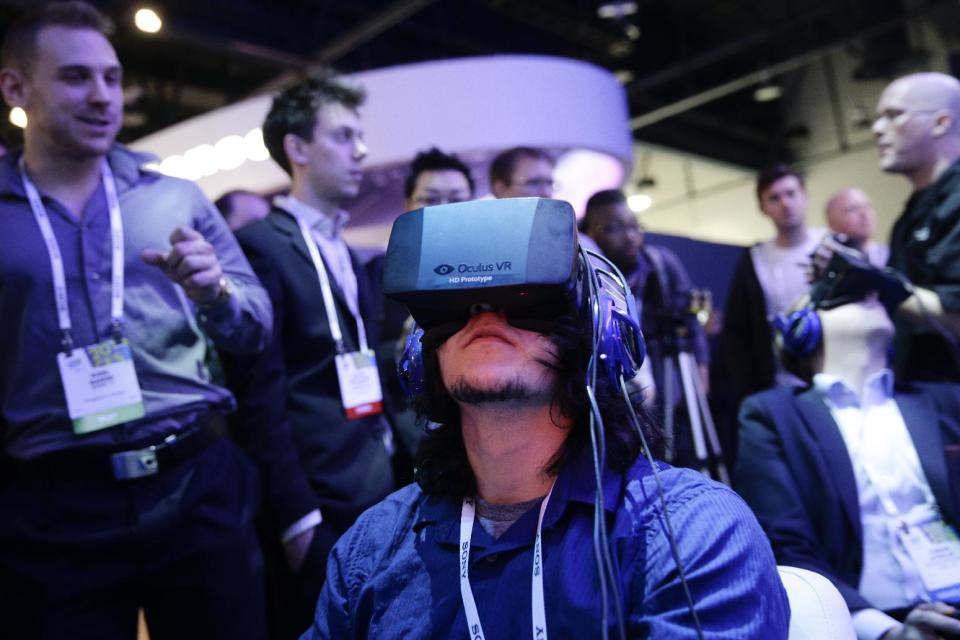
x,y
95,276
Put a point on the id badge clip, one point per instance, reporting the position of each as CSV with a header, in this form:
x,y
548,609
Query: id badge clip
x,y
101,386
359,381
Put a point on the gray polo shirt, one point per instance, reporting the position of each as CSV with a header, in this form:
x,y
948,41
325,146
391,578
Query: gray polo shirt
x,y
162,325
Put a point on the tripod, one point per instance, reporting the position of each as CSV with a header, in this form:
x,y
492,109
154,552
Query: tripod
x,y
677,357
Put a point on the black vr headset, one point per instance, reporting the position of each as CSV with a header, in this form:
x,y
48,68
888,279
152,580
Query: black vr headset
x,y
518,255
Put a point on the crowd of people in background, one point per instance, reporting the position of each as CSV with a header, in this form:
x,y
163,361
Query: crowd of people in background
x,y
231,453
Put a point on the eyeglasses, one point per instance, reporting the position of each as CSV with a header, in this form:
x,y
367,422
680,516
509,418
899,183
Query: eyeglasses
x,y
434,199
537,184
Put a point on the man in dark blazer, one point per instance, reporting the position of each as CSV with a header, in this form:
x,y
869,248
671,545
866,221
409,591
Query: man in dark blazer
x,y
806,473
325,321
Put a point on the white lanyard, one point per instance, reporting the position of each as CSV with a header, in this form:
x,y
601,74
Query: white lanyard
x,y
539,613
328,303
56,258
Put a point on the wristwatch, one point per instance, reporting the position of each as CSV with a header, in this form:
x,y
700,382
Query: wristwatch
x,y
226,290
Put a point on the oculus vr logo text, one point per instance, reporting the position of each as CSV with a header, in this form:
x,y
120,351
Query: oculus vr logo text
x,y
443,269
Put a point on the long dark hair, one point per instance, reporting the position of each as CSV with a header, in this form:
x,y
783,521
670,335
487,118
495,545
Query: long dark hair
x,y
442,465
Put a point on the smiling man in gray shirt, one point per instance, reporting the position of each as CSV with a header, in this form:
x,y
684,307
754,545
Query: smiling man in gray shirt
x,y
116,490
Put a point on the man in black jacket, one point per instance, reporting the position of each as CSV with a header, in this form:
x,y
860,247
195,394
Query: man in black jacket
x,y
846,475
918,134
317,382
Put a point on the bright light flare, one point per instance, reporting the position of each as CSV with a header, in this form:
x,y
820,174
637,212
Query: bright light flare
x,y
18,117
147,20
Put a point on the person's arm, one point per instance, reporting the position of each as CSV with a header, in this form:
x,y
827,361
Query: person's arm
x,y
262,424
738,358
206,261
730,570
927,620
924,308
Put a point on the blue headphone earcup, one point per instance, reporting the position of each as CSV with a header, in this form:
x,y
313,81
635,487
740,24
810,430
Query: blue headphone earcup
x,y
620,345
410,365
801,331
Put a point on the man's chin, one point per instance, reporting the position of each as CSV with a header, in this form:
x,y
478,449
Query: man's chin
x,y
501,392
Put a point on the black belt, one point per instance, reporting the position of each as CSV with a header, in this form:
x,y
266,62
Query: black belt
x,y
129,461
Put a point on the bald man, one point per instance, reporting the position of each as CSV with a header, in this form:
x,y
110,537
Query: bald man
x,y
918,135
850,212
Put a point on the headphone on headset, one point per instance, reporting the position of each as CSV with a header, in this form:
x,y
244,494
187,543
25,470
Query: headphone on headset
x,y
619,348
801,331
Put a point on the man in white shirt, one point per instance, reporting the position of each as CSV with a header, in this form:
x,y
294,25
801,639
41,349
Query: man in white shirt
x,y
768,279
323,339
855,481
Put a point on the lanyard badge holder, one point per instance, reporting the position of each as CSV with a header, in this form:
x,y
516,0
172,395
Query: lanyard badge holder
x,y
934,547
930,543
357,373
99,380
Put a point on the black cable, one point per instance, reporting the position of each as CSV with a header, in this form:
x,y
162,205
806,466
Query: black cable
x,y
605,567
663,506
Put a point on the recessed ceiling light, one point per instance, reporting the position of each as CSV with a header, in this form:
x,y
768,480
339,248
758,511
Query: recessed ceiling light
x,y
768,93
639,202
616,9
147,20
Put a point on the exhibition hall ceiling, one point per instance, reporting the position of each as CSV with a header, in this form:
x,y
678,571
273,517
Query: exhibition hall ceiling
x,y
691,68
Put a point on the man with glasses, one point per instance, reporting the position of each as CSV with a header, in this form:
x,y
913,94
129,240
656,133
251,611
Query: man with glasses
x,y
656,276
437,178
522,172
918,136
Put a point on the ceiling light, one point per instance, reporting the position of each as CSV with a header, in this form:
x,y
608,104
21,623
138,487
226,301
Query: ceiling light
x,y
767,93
147,20
612,9
624,76
639,202
18,117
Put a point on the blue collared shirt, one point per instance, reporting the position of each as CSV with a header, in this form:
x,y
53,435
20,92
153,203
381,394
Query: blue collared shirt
x,y
395,573
160,322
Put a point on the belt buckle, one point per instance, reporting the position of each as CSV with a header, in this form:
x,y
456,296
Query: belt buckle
x,y
139,463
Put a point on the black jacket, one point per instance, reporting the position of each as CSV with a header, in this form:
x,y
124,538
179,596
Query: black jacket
x,y
340,465
794,471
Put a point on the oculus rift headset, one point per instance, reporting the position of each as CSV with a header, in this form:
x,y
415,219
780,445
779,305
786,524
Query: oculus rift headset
x,y
516,255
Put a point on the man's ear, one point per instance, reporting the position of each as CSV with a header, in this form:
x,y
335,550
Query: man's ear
x,y
942,124
13,86
295,148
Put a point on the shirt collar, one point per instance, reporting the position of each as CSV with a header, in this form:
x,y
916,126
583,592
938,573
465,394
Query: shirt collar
x,y
877,389
575,484
329,226
127,166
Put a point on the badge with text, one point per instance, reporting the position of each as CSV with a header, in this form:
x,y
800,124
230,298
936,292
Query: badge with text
x,y
359,384
101,386
935,548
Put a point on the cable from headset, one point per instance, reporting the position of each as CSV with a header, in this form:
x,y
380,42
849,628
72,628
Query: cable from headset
x,y
663,506
598,451
605,568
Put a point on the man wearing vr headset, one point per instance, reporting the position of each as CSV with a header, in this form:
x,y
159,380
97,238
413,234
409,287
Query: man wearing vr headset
x,y
855,480
499,537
